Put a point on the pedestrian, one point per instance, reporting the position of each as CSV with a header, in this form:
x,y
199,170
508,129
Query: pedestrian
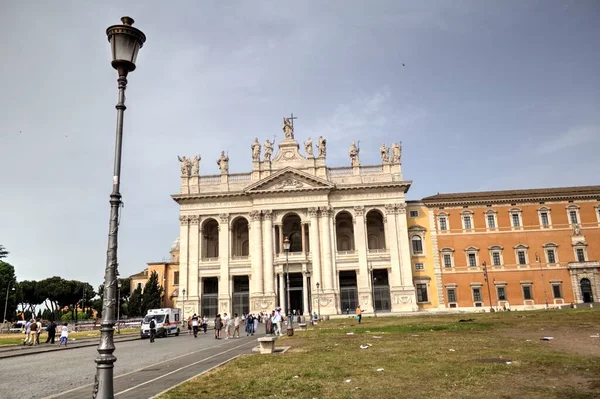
x,y
359,314
195,325
51,329
27,332
38,331
278,318
236,325
32,332
152,329
249,324
64,335
226,325
218,326
255,326
189,325
205,323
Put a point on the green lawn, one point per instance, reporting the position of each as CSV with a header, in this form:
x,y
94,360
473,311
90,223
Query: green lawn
x,y
12,339
497,355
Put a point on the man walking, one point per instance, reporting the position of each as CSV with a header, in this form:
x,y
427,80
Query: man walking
x,y
152,330
195,325
51,329
359,314
227,324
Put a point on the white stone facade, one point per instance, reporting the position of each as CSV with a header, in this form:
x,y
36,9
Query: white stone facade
x,y
347,229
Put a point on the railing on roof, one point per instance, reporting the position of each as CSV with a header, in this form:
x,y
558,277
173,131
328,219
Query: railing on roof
x,y
240,177
210,179
371,169
340,171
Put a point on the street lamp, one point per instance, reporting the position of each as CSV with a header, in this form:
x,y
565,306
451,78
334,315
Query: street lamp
x,y
8,289
125,42
286,248
537,260
318,301
118,307
485,275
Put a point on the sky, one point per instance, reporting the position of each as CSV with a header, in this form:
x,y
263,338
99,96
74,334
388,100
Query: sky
x,y
483,95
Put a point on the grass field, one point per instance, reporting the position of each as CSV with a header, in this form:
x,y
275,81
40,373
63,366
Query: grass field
x,y
496,355
12,339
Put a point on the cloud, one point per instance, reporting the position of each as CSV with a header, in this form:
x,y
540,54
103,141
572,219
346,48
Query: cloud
x,y
573,137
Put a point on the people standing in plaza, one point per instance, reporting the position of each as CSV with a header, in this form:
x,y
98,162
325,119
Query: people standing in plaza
x,y
218,326
226,325
32,332
189,325
278,319
152,329
27,332
64,335
205,323
236,325
51,329
195,325
38,331
249,324
256,320
359,314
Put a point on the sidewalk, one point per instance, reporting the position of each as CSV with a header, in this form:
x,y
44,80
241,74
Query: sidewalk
x,y
160,377
22,350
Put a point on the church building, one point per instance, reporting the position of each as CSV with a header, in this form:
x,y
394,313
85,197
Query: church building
x,y
339,234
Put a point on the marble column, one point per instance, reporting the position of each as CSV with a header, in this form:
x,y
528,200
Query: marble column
x,y
268,254
193,259
405,260
305,290
256,257
184,231
326,240
392,234
282,292
315,246
224,293
360,243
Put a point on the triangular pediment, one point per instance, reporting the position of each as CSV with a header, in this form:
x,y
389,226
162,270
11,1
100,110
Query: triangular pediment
x,y
289,179
417,227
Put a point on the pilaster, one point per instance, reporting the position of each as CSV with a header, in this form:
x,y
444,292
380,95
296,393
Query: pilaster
x,y
437,269
224,292
315,247
403,297
194,247
184,231
268,243
360,243
326,241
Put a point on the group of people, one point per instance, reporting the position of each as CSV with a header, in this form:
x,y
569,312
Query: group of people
x,y
227,327
33,330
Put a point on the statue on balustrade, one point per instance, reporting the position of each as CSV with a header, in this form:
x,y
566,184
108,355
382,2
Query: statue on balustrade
x,y
321,146
268,150
385,153
196,165
396,152
353,152
256,150
308,147
223,163
288,129
186,166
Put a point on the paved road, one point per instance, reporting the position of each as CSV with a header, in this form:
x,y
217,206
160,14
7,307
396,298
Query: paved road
x,y
53,373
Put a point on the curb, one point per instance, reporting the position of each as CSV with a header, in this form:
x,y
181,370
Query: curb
x,y
54,349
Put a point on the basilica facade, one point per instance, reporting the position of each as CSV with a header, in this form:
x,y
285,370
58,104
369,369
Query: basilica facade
x,y
346,229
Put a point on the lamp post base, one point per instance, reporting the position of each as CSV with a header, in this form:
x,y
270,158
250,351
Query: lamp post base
x,y
290,331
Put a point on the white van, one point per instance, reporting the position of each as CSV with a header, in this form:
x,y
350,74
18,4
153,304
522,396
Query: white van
x,y
167,322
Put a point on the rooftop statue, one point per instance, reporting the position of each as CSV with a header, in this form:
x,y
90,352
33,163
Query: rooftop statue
x,y
353,152
268,150
288,128
385,155
308,147
223,162
255,150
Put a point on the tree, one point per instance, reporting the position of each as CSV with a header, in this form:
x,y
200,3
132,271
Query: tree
x,y
31,295
7,284
3,252
151,298
134,305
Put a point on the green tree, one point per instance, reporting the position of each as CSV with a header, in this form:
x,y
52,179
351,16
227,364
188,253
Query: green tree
x,y
8,284
152,296
31,295
134,305
3,252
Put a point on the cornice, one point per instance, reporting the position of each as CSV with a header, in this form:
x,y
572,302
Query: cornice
x,y
513,200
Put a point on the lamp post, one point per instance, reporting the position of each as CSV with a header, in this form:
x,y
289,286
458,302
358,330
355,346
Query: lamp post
x,y
125,42
318,301
286,248
8,289
118,307
537,259
485,275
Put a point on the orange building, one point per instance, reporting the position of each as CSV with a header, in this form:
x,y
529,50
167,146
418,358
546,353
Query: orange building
x,y
539,247
168,277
